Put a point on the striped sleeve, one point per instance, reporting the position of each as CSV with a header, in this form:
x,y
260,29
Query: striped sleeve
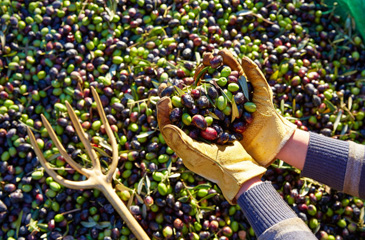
x,y
270,216
338,164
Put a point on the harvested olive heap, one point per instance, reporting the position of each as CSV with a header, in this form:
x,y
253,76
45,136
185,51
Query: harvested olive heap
x,y
52,51
219,109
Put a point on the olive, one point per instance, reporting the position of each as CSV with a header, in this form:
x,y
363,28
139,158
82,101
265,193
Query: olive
x,y
202,102
199,121
209,134
187,100
216,61
175,115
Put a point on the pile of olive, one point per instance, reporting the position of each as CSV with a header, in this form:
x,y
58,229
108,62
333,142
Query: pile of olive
x,y
214,108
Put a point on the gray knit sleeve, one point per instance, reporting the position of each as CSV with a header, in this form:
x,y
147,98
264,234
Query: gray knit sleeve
x,y
270,216
338,164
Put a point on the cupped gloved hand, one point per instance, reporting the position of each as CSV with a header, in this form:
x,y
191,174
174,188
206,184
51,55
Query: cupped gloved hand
x,y
269,131
229,166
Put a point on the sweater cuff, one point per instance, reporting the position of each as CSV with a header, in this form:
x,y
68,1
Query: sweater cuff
x,y
326,160
264,207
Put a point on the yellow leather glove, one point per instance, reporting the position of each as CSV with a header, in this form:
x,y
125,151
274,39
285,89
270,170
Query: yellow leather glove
x,y
269,131
228,166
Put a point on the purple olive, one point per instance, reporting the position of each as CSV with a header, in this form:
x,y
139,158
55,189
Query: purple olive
x,y
202,102
239,126
187,100
209,134
216,61
175,115
199,121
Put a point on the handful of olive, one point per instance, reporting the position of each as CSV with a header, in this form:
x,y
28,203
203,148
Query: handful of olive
x,y
216,107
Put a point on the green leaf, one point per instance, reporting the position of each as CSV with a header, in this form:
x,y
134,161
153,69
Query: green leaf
x,y
337,121
213,115
303,43
243,12
140,185
128,96
111,73
183,199
101,151
208,196
282,105
104,143
104,224
175,175
155,83
145,134
2,39
210,208
235,113
338,40
202,186
148,184
349,103
243,83
54,156
330,105
179,91
88,224
344,129
18,223
197,57
349,73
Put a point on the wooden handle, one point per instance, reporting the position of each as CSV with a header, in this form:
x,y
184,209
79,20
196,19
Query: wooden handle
x,y
123,211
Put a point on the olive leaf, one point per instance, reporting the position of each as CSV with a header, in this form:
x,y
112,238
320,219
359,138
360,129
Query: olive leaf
x,y
243,13
344,129
145,134
213,115
294,104
148,184
282,106
208,196
111,73
349,73
349,103
101,151
202,186
175,175
243,83
104,143
197,57
330,105
2,39
179,91
337,121
130,200
140,185
155,83
275,75
235,113
18,223
303,43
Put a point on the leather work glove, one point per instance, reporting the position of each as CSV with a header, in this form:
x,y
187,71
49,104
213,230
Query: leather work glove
x,y
228,166
269,131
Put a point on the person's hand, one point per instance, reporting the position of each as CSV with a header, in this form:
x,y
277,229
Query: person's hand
x,y
229,166
269,131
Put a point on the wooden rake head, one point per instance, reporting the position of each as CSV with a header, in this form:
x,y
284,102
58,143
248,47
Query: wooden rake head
x,y
95,177
93,174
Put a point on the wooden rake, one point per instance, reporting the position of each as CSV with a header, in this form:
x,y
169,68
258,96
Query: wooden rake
x,y
95,177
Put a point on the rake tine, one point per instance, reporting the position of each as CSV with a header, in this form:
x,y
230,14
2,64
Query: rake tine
x,y
62,150
110,134
81,134
65,182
